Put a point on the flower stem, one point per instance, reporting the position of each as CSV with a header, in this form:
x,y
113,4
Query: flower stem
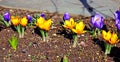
x,y
22,32
42,34
75,40
108,48
46,36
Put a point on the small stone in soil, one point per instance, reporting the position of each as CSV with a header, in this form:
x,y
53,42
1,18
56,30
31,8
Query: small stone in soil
x,y
24,51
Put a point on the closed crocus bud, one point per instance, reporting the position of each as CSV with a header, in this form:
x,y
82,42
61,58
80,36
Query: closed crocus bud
x,y
43,15
23,21
29,18
66,16
15,20
6,16
97,21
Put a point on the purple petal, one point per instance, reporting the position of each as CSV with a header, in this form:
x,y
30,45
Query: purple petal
x,y
29,18
117,14
66,16
43,15
118,26
6,16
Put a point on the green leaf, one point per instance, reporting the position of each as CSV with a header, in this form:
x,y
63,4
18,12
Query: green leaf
x,y
13,42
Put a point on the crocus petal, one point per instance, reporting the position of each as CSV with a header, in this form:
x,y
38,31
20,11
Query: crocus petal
x,y
114,39
6,16
15,20
42,15
46,25
106,35
79,28
118,26
23,21
66,16
29,18
117,14
40,21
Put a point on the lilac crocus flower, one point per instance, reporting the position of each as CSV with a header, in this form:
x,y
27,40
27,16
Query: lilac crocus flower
x,y
6,16
42,15
29,18
97,21
117,16
66,16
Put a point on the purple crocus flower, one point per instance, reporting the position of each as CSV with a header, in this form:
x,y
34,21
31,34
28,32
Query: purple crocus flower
x,y
117,16
29,18
6,16
66,16
42,15
97,21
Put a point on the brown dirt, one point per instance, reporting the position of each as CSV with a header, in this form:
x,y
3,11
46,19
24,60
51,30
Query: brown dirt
x,y
32,49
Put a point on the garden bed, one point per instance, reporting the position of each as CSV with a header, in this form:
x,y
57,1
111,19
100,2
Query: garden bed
x,y
32,48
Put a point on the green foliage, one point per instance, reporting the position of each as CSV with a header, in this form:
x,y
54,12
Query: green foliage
x,y
65,59
13,42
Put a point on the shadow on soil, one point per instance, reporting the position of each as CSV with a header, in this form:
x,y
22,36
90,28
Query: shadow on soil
x,y
115,51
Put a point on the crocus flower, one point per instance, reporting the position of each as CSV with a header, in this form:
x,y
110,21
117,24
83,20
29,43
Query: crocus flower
x,y
97,21
110,38
6,16
15,20
46,25
69,23
43,24
66,16
79,28
42,15
23,21
29,18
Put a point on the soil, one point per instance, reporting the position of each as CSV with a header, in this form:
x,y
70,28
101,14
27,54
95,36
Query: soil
x,y
32,49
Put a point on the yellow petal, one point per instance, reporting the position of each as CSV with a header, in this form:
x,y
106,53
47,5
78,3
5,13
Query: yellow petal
x,y
114,39
69,23
24,21
46,25
15,20
40,21
106,35
74,30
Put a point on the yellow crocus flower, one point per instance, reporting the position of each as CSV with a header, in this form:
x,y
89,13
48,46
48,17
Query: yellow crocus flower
x,y
111,38
79,28
23,21
69,23
114,39
43,24
46,25
106,35
15,20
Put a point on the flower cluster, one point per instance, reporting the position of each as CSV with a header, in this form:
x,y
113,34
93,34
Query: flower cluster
x,y
75,27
